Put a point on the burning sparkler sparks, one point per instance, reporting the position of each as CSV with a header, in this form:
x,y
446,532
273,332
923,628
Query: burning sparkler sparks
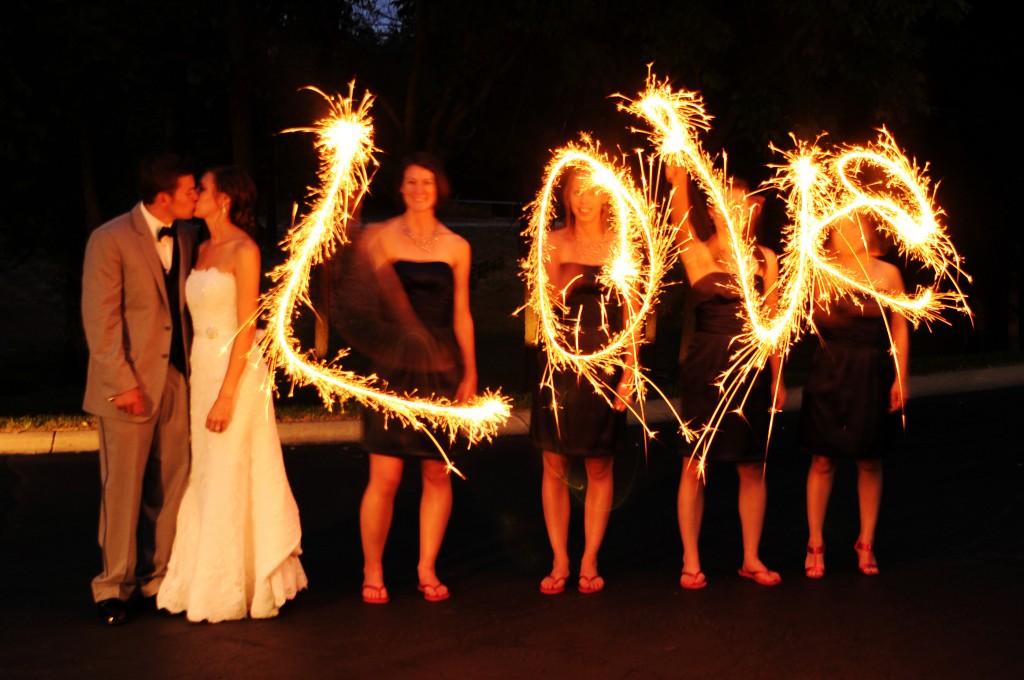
x,y
821,188
640,254
345,145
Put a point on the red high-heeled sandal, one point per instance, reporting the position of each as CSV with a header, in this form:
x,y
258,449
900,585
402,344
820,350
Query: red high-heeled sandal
x,y
868,568
814,571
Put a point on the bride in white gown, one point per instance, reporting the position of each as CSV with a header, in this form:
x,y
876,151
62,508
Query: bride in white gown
x,y
236,552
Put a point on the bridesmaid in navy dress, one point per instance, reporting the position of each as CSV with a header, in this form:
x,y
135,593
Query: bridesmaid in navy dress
x,y
854,392
740,440
576,422
422,271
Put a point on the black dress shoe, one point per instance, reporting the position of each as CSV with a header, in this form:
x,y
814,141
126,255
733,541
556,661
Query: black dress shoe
x,y
112,612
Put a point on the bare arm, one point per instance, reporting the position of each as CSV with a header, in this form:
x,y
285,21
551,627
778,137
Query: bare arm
x,y
771,278
900,329
679,205
462,322
691,248
247,284
627,382
553,258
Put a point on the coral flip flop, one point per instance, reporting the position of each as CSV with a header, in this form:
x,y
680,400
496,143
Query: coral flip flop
x,y
692,581
552,585
437,592
375,594
764,577
591,584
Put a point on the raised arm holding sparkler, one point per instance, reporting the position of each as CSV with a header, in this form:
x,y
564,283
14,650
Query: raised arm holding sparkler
x,y
570,419
822,187
855,391
740,434
344,141
422,269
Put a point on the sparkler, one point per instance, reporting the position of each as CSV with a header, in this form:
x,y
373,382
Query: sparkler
x,y
821,188
640,254
345,145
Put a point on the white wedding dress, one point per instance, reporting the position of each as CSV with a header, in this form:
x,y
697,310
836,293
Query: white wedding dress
x,y
236,551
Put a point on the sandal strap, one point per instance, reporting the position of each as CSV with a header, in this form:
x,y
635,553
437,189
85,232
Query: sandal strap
x,y
816,549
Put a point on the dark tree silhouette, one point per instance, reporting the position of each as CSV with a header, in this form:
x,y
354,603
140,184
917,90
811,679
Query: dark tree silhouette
x,y
89,88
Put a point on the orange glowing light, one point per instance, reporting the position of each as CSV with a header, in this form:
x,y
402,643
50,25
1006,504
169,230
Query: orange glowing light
x,y
642,250
345,145
821,187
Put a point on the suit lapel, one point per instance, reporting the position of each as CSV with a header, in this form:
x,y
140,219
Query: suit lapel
x,y
148,249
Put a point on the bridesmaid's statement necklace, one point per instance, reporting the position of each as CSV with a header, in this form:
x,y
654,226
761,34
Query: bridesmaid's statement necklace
x,y
427,244
591,250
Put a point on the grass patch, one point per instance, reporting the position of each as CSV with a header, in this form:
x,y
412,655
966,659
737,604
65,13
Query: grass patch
x,y
47,423
303,409
310,413
289,413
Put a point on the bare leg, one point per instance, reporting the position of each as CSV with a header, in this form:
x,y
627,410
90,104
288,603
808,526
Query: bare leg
x,y
554,493
375,520
819,487
600,493
435,509
869,491
691,514
753,497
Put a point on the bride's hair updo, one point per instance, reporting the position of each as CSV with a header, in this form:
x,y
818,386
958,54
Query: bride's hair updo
x,y
239,187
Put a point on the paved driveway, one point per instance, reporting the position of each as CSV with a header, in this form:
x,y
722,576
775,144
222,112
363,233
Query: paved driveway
x,y
950,546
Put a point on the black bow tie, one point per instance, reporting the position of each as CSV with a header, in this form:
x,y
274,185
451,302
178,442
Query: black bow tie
x,y
166,231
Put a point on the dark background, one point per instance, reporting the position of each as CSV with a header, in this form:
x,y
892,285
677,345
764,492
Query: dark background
x,y
492,88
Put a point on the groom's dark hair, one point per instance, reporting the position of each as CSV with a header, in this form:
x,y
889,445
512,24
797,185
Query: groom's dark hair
x,y
161,173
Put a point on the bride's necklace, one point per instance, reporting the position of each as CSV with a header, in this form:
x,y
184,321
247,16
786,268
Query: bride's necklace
x,y
590,250
427,244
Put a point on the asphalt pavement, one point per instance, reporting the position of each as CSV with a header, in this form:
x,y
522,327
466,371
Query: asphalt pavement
x,y
946,605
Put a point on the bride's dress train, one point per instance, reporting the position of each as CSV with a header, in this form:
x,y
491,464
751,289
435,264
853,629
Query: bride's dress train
x,y
236,551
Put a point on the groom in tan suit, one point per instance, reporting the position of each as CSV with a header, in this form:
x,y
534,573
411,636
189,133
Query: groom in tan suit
x,y
133,310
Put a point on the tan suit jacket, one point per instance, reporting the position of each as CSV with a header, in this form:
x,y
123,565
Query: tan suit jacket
x,y
126,314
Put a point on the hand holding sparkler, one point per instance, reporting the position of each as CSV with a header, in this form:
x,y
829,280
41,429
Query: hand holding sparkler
x,y
821,187
632,260
345,143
